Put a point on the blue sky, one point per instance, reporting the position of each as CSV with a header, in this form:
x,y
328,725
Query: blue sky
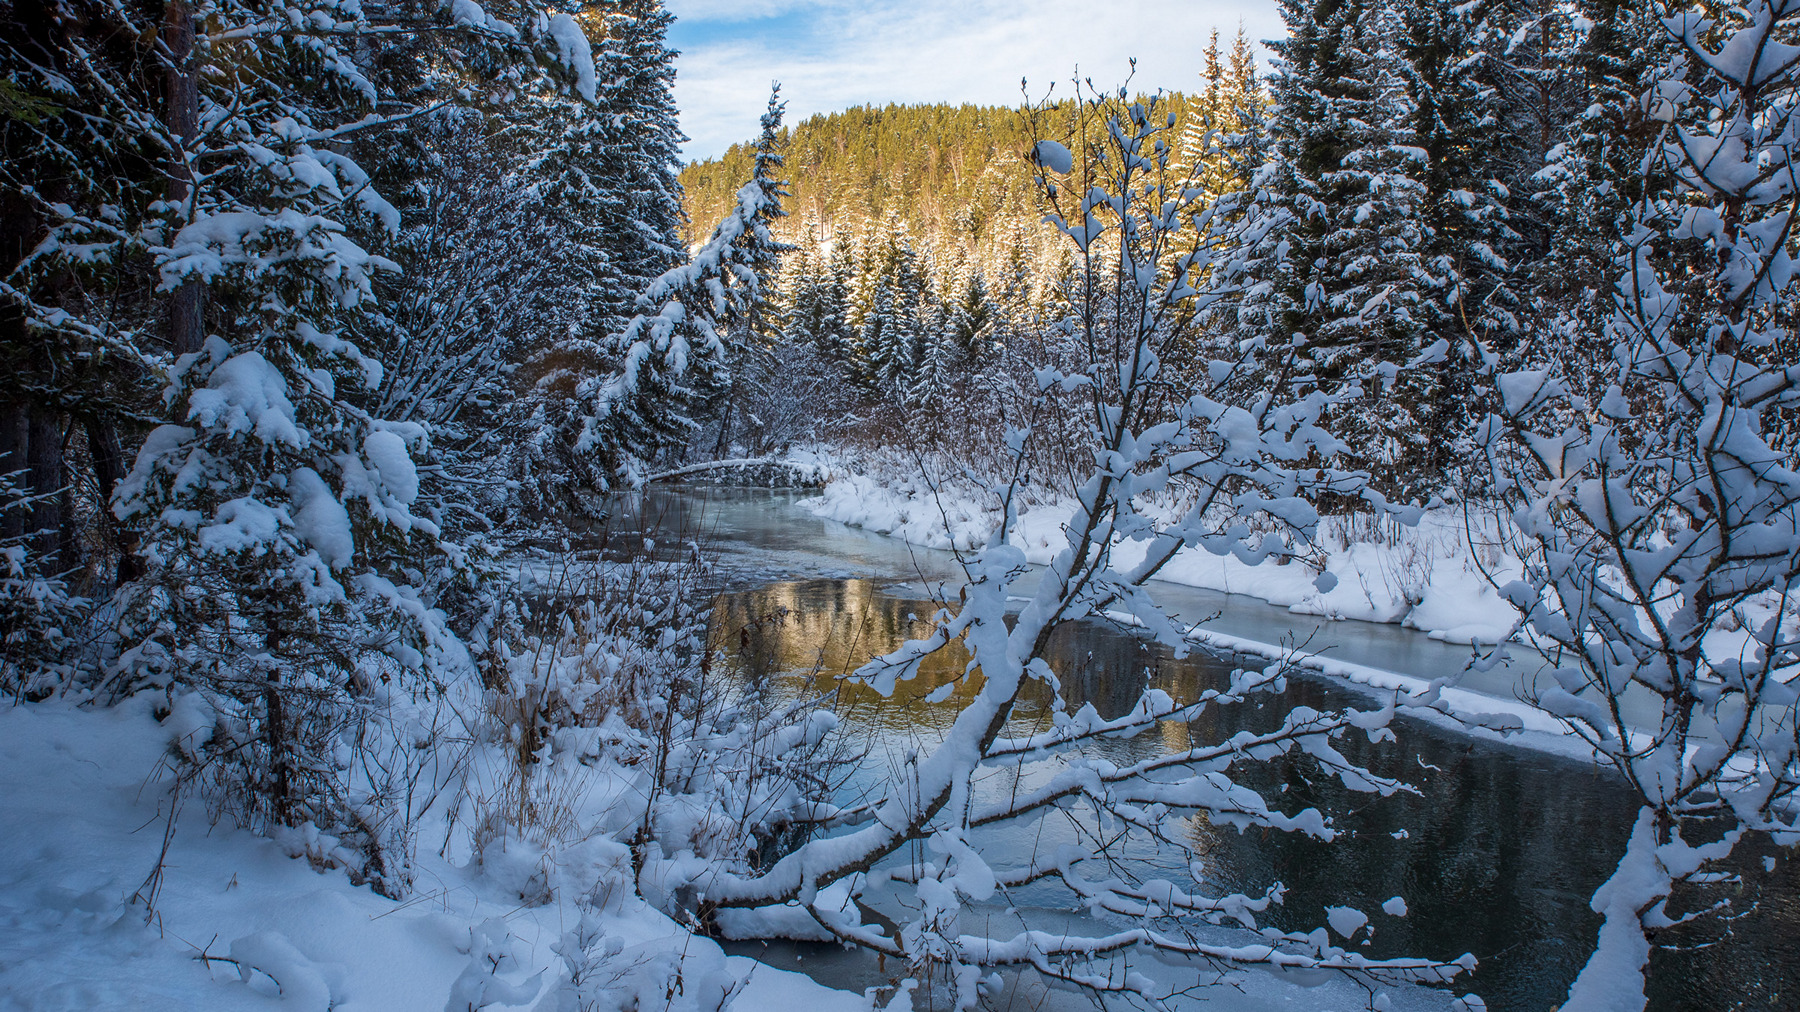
x,y
832,54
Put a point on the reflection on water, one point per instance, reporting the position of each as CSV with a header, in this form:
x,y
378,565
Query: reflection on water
x,y
755,536
1496,854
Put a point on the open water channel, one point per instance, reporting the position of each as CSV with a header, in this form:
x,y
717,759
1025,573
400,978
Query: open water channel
x,y
1496,854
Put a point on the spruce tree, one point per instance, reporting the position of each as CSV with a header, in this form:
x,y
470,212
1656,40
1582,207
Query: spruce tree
x,y
674,357
1390,251
972,317
641,216
1592,184
561,146
1343,267
840,277
807,314
293,555
1316,92
753,326
1531,47
1015,289
890,311
603,153
1370,304
1221,142
1470,291
816,282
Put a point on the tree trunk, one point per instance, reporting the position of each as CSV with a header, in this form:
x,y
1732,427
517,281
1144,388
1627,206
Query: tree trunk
x,y
275,737
723,446
187,305
109,460
109,470
44,458
20,231
14,439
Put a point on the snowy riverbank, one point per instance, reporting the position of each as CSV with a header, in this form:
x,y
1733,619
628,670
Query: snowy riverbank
x,y
1436,577
1433,577
245,923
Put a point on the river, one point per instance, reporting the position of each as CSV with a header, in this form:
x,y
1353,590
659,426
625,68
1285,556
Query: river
x,y
1496,854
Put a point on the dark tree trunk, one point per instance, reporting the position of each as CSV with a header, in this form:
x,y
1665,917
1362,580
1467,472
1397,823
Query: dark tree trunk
x,y
187,305
45,481
20,230
14,440
68,535
109,470
275,737
109,460
724,444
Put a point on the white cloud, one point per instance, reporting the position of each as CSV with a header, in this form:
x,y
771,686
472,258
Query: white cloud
x,y
831,54
733,11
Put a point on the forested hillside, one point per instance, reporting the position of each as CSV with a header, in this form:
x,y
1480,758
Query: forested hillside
x,y
920,253
952,174
944,170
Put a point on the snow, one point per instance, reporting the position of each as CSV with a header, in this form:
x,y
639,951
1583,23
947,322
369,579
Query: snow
x,y
576,52
1346,921
833,905
247,394
256,244
1428,578
387,452
241,525
1612,978
296,979
902,1000
468,12
1055,157
320,519
87,799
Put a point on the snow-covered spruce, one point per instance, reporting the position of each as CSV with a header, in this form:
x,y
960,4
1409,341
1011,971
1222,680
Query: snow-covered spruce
x,y
292,541
694,322
38,614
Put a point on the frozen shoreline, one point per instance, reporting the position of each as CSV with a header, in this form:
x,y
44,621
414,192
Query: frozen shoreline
x,y
1429,579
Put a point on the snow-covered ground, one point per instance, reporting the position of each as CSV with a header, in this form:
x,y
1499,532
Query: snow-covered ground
x,y
82,822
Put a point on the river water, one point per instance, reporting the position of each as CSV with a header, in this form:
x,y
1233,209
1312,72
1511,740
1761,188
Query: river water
x,y
1496,854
